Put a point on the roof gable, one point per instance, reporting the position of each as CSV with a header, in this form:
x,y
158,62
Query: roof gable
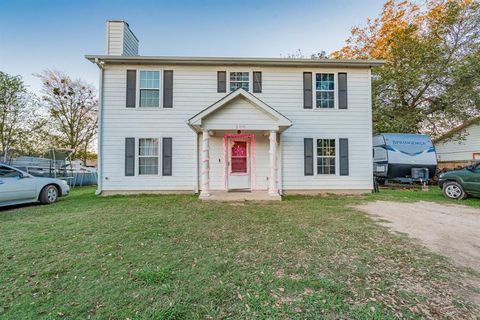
x,y
260,110
458,129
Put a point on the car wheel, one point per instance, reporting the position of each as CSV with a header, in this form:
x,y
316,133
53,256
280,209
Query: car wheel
x,y
49,194
453,190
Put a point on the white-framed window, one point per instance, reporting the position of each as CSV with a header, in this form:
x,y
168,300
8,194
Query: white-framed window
x,y
149,89
148,156
239,80
326,156
325,90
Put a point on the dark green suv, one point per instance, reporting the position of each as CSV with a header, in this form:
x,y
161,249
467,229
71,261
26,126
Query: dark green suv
x,y
458,184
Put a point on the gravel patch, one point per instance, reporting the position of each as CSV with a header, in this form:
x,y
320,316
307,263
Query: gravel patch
x,y
449,230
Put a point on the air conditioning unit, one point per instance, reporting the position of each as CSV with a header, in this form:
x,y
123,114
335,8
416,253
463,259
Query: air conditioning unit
x,y
420,174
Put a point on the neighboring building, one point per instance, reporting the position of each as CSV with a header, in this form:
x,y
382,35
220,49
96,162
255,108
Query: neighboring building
x,y
460,146
192,124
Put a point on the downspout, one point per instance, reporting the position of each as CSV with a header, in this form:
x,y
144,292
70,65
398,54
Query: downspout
x,y
196,172
280,187
100,65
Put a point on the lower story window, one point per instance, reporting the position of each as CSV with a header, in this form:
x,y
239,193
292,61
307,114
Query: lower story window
x,y
148,156
326,153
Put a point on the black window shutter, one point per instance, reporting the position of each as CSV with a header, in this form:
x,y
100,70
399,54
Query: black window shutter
x,y
168,89
131,88
257,82
308,156
307,90
129,156
221,81
167,156
343,144
342,91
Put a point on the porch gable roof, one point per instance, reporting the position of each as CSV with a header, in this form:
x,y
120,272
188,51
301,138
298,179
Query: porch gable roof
x,y
280,120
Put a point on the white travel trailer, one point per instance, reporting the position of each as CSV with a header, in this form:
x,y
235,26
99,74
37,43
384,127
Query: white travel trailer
x,y
403,157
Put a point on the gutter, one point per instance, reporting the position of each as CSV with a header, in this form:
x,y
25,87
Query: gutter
x,y
196,188
100,65
236,61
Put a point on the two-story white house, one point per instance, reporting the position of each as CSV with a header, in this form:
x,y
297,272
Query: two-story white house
x,y
269,126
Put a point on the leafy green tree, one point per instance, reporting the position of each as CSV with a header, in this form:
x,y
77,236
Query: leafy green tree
x,y
431,79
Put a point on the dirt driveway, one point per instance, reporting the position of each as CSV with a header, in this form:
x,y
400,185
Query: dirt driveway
x,y
449,230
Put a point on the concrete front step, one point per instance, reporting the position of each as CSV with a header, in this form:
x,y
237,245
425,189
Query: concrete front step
x,y
241,196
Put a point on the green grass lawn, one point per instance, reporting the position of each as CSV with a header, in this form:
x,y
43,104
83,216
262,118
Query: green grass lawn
x,y
175,257
416,194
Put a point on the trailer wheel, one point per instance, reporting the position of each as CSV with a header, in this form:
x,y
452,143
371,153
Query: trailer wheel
x,y
453,190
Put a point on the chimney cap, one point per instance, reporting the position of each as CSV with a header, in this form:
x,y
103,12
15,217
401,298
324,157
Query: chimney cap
x,y
123,21
126,23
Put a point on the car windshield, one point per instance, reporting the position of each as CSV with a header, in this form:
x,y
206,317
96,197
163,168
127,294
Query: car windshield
x,y
6,172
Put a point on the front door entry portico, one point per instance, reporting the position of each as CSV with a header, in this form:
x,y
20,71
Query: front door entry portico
x,y
239,164
237,111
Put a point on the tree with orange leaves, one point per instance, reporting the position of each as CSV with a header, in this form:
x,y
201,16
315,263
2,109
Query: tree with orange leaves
x,y
431,79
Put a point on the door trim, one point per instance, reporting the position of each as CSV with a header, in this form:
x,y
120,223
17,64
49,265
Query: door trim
x,y
246,175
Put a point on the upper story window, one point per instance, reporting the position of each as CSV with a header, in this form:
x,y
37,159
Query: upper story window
x,y
239,80
148,156
149,89
326,153
325,90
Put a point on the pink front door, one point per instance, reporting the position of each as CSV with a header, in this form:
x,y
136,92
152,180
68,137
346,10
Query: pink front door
x,y
238,164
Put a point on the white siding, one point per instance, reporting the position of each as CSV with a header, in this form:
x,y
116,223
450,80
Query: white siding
x,y
238,111
120,39
195,88
114,38
456,149
130,43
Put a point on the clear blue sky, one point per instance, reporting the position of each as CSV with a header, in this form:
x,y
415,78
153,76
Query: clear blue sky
x,y
38,34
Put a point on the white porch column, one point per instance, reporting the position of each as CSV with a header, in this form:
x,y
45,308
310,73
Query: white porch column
x,y
205,192
272,179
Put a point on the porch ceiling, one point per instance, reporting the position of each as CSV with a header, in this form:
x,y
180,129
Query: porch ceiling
x,y
239,110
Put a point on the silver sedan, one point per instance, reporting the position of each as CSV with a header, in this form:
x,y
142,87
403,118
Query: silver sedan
x,y
18,187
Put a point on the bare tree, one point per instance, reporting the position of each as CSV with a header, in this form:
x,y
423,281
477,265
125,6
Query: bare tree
x,y
298,54
73,107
